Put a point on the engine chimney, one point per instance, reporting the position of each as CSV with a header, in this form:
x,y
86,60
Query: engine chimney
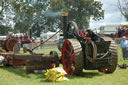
x,y
64,24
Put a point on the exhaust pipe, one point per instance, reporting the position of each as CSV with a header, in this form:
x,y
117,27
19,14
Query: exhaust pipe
x,y
64,24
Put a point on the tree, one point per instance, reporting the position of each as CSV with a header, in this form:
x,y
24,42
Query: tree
x,y
123,7
4,30
44,15
80,10
3,5
25,14
6,17
32,13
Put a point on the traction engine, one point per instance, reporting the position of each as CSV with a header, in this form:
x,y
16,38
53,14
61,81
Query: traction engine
x,y
7,44
86,50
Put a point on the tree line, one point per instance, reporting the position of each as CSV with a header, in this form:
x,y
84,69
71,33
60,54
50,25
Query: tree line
x,y
44,15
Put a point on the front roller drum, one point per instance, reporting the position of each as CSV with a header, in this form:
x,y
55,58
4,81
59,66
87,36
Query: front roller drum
x,y
72,57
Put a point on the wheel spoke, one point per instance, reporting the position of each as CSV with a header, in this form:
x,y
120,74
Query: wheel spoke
x,y
69,45
65,60
70,70
68,52
72,58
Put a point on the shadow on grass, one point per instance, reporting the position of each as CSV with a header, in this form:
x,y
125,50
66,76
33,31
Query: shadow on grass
x,y
21,72
85,75
82,75
18,71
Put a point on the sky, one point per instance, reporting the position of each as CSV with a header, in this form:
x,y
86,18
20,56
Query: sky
x,y
112,15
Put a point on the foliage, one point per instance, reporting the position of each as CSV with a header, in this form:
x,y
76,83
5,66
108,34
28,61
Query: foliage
x,y
28,13
123,6
32,13
3,4
80,10
4,30
44,15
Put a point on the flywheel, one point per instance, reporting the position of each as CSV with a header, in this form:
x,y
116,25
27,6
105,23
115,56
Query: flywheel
x,y
114,56
72,30
72,57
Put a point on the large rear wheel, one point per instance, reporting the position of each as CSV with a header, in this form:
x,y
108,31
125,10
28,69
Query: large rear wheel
x,y
114,56
72,57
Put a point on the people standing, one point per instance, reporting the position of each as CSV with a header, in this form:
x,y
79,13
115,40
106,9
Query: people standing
x,y
119,32
124,46
19,44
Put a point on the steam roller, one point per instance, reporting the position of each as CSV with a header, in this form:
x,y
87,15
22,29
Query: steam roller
x,y
86,50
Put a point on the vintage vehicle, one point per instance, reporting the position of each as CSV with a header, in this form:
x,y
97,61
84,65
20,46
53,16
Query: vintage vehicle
x,y
80,50
86,50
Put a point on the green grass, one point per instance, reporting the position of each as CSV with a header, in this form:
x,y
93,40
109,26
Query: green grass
x,y
47,49
17,76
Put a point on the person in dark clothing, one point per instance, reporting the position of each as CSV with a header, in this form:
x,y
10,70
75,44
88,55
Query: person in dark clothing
x,y
93,36
122,31
119,32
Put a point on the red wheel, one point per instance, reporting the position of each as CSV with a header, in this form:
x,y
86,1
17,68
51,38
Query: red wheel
x,y
10,44
72,57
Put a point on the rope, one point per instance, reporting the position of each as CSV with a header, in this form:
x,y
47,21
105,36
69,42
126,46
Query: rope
x,y
46,40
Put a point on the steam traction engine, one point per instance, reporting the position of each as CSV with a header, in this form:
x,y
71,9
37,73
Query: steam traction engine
x,y
7,44
86,50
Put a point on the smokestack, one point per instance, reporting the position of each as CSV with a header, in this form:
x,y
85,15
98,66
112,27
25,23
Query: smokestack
x,y
64,24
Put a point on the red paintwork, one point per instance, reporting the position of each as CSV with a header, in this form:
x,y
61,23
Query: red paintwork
x,y
87,38
15,62
126,33
68,58
84,35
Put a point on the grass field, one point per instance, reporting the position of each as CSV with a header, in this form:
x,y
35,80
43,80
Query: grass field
x,y
17,76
